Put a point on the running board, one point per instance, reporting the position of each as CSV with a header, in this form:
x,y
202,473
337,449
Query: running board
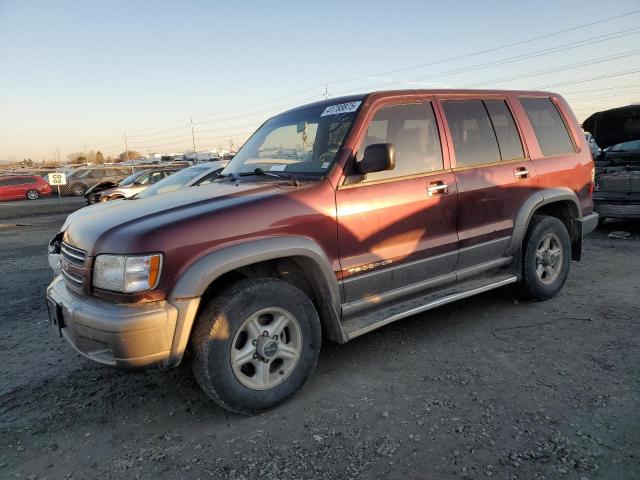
x,y
356,326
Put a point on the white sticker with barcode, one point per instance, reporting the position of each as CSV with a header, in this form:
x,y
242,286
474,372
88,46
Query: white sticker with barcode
x,y
341,108
277,168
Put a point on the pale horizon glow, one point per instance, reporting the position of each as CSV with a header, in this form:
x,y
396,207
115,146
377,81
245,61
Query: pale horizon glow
x,y
76,76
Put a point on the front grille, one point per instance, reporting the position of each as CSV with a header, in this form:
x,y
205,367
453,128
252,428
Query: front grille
x,y
74,270
620,182
75,280
73,255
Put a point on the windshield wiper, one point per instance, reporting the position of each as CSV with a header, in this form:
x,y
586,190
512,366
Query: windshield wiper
x,y
259,171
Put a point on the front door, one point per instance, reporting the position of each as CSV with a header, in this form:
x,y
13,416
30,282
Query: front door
x,y
397,228
493,174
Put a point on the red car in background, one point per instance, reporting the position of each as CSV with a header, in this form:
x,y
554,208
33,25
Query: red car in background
x,y
16,187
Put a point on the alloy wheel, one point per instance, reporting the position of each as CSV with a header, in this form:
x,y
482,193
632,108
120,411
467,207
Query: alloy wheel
x,y
549,258
266,348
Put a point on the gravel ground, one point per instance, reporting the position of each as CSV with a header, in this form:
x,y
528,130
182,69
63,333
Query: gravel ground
x,y
486,387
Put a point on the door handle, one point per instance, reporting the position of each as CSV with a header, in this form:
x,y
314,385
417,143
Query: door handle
x,y
437,188
521,173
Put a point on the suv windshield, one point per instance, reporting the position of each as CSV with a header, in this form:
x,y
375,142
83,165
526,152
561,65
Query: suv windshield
x,y
626,146
302,141
130,179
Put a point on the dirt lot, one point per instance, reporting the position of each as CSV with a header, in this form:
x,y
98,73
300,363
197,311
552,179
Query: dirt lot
x,y
487,387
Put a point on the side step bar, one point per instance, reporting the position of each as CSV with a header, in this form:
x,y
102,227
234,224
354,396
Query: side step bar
x,y
360,325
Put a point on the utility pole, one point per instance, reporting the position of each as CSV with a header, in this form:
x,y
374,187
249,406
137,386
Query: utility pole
x,y
85,153
126,146
58,150
193,135
326,91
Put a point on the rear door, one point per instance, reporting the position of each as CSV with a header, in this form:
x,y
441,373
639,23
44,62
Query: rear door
x,y
19,187
7,189
493,173
398,228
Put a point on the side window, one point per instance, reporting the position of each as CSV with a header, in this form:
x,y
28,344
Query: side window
x,y
143,179
5,182
413,131
505,128
155,177
474,140
206,179
551,132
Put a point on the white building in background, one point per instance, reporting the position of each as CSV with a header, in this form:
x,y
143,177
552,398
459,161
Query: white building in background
x,y
200,156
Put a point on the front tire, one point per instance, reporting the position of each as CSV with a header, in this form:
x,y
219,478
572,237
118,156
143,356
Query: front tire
x,y
255,345
546,254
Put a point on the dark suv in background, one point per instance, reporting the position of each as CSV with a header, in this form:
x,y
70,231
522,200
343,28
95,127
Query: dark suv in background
x,y
617,174
334,219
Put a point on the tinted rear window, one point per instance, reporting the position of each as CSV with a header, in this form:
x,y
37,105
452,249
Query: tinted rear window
x,y
505,128
548,126
473,137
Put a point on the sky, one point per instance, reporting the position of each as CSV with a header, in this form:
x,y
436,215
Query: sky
x,y
77,75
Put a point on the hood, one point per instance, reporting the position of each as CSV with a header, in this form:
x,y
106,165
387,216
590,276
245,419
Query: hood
x,y
95,229
90,210
614,126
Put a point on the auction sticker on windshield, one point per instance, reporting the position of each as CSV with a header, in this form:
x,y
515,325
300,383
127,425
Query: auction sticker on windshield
x,y
341,108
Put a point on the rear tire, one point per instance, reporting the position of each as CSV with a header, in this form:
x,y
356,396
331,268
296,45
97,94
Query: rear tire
x,y
546,255
230,347
33,195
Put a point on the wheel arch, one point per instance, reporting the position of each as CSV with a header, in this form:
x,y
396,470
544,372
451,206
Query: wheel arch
x,y
296,260
561,203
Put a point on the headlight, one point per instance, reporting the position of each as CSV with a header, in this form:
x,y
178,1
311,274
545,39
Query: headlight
x,y
122,273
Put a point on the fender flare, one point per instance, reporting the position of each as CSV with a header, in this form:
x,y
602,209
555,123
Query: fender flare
x,y
194,281
531,205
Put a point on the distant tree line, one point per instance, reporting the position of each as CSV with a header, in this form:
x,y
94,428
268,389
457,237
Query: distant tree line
x,y
79,158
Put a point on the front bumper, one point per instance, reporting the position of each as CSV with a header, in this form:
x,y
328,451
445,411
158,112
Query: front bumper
x,y
147,335
617,209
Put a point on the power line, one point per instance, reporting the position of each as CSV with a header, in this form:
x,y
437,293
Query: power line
x,y
167,127
588,79
602,88
489,50
585,63
538,53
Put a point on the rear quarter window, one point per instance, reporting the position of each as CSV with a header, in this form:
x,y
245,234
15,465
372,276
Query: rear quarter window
x,y
474,139
549,127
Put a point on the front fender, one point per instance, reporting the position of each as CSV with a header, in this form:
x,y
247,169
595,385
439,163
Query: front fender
x,y
195,280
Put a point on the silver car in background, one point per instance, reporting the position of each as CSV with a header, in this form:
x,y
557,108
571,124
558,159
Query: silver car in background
x,y
199,174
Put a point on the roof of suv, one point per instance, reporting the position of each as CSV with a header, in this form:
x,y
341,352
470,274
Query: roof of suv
x,y
395,93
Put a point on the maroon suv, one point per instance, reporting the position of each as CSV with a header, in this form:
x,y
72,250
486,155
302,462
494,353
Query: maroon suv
x,y
334,219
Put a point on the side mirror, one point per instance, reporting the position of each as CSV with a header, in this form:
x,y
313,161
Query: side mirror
x,y
377,158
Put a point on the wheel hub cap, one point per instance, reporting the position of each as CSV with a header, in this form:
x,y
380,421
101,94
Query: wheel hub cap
x,y
267,348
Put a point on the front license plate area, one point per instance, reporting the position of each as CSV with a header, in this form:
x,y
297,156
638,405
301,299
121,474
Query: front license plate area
x,y
55,315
